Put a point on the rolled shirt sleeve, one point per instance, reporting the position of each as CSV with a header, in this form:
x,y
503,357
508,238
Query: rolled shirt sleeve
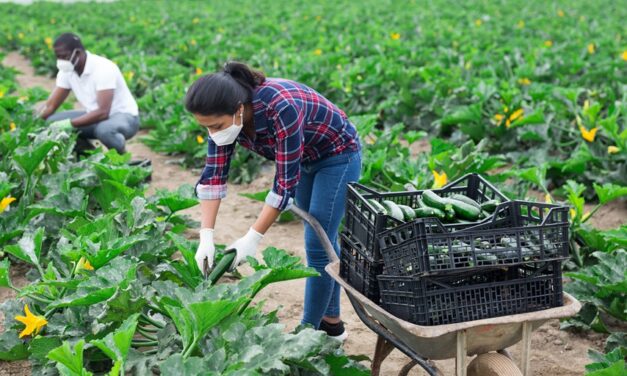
x,y
212,183
288,117
63,81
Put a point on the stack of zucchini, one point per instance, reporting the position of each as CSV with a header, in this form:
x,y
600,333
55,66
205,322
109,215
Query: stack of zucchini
x,y
456,208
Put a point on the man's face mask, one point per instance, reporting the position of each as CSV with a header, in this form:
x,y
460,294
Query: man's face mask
x,y
67,65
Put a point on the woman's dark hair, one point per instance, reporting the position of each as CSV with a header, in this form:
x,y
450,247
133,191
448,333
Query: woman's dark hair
x,y
222,93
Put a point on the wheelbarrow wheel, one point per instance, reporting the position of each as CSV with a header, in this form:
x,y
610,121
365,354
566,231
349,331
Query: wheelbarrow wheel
x,y
493,364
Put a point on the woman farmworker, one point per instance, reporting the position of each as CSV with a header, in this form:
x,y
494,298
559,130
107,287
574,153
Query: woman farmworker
x,y
316,150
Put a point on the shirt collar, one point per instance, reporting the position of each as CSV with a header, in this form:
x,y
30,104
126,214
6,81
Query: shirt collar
x,y
89,63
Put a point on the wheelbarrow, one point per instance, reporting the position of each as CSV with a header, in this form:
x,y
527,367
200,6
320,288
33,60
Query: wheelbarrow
x,y
487,338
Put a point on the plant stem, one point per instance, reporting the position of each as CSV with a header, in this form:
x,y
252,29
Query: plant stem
x,y
592,213
146,334
192,346
149,329
39,299
144,343
151,321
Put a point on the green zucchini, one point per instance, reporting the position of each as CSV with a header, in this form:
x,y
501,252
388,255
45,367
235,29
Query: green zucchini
x,y
408,213
377,206
433,200
464,210
393,210
429,212
490,206
222,266
466,199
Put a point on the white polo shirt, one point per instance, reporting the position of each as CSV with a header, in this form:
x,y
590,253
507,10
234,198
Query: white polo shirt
x,y
100,73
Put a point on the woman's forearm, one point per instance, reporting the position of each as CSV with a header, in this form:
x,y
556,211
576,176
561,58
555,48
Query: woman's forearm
x,y
267,217
208,213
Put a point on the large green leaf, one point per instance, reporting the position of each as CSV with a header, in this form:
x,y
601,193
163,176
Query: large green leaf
x,y
28,249
28,159
182,199
70,361
177,365
5,267
102,285
283,267
117,344
69,204
11,347
40,346
610,364
125,302
603,284
609,192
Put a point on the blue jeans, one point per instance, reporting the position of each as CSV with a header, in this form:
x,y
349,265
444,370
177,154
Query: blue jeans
x,y
321,192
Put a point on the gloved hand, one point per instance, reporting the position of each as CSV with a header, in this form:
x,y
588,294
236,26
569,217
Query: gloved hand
x,y
245,246
206,249
65,124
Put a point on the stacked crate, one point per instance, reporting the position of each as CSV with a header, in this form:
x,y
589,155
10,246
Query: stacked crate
x,y
431,273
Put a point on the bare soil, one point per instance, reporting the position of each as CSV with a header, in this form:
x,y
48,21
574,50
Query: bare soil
x,y
554,352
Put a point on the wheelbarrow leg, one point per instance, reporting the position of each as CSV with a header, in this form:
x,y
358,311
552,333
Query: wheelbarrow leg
x,y
405,370
526,348
381,351
460,359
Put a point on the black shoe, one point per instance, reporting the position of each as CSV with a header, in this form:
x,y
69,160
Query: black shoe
x,y
336,331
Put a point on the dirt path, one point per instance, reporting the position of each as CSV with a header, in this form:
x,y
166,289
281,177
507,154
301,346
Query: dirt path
x,y
554,352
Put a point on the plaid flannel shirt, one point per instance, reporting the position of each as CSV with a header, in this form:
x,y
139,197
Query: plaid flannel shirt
x,y
294,124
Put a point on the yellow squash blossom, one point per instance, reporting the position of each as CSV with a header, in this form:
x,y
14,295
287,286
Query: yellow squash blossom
x,y
560,13
198,71
524,81
199,139
317,52
48,42
87,265
196,20
478,22
591,48
439,179
499,118
4,204
129,75
193,42
395,36
12,127
548,43
573,213
520,24
624,55
33,323
588,135
318,18
548,199
612,149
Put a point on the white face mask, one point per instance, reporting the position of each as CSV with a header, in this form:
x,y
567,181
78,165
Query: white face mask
x,y
66,65
227,136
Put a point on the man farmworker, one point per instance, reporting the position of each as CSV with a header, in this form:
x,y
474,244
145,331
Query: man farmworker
x,y
110,112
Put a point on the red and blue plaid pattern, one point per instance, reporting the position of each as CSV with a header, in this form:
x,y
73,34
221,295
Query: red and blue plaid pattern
x,y
294,124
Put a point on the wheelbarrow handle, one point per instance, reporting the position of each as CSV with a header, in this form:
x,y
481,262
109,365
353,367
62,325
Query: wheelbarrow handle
x,y
322,235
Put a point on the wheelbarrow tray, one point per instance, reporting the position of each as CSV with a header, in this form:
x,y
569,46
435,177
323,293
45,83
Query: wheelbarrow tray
x,y
439,342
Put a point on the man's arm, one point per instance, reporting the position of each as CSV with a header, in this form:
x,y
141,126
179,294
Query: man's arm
x,y
58,96
104,99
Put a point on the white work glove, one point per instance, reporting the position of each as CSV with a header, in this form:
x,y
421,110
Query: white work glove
x,y
245,246
65,125
206,249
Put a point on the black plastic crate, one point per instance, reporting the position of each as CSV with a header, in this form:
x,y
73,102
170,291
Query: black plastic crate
x,y
430,300
358,269
518,232
365,224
